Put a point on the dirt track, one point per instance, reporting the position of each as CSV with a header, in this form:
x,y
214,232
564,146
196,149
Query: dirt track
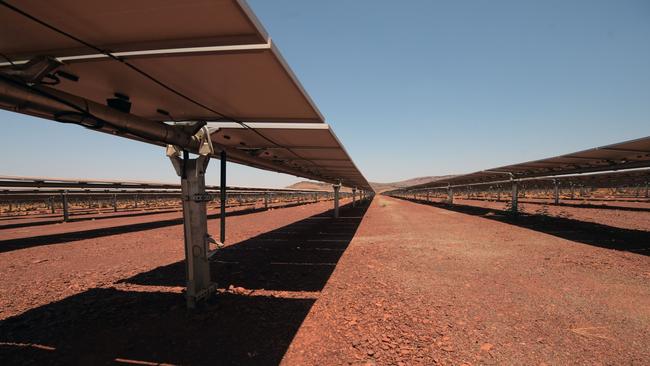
x,y
408,284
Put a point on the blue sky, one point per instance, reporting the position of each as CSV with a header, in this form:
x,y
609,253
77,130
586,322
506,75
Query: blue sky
x,y
416,88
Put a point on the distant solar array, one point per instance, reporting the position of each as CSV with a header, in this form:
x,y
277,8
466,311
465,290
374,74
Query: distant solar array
x,y
8,182
615,162
58,195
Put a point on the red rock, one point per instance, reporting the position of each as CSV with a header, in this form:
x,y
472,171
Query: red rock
x,y
487,347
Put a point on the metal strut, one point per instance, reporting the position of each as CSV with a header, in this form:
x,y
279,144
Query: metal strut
x,y
337,188
195,220
515,195
64,203
222,199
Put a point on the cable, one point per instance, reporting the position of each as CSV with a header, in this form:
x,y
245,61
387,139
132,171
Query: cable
x,y
82,110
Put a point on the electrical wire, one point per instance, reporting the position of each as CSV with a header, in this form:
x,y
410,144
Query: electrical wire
x,y
82,110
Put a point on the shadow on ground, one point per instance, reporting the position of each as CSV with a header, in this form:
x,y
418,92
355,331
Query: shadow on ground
x,y
104,326
22,243
604,236
297,257
604,206
110,326
101,216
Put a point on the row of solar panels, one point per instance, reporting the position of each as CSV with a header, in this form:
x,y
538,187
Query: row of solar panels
x,y
579,167
209,61
15,183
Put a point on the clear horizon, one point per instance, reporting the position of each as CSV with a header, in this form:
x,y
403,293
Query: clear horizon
x,y
418,89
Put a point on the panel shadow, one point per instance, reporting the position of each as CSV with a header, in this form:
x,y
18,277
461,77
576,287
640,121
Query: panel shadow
x,y
604,236
297,257
607,205
108,326
62,238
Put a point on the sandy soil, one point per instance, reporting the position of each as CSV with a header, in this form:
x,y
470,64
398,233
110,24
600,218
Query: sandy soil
x,y
401,283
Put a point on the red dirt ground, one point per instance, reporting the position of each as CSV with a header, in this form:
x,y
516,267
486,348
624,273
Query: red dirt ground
x,y
425,285
621,217
401,283
35,218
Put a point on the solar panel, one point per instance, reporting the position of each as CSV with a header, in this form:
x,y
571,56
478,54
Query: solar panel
x,y
212,52
307,149
127,25
189,61
158,71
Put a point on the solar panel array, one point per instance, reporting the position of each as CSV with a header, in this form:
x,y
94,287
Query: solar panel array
x,y
199,61
625,155
13,183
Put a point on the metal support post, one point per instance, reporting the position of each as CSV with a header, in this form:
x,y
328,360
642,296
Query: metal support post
x,y
354,197
450,195
222,199
51,204
196,230
266,200
135,200
195,219
114,202
64,200
556,192
337,188
515,197
195,224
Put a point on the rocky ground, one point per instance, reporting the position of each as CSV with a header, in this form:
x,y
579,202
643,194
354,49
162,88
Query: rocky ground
x,y
427,285
395,283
